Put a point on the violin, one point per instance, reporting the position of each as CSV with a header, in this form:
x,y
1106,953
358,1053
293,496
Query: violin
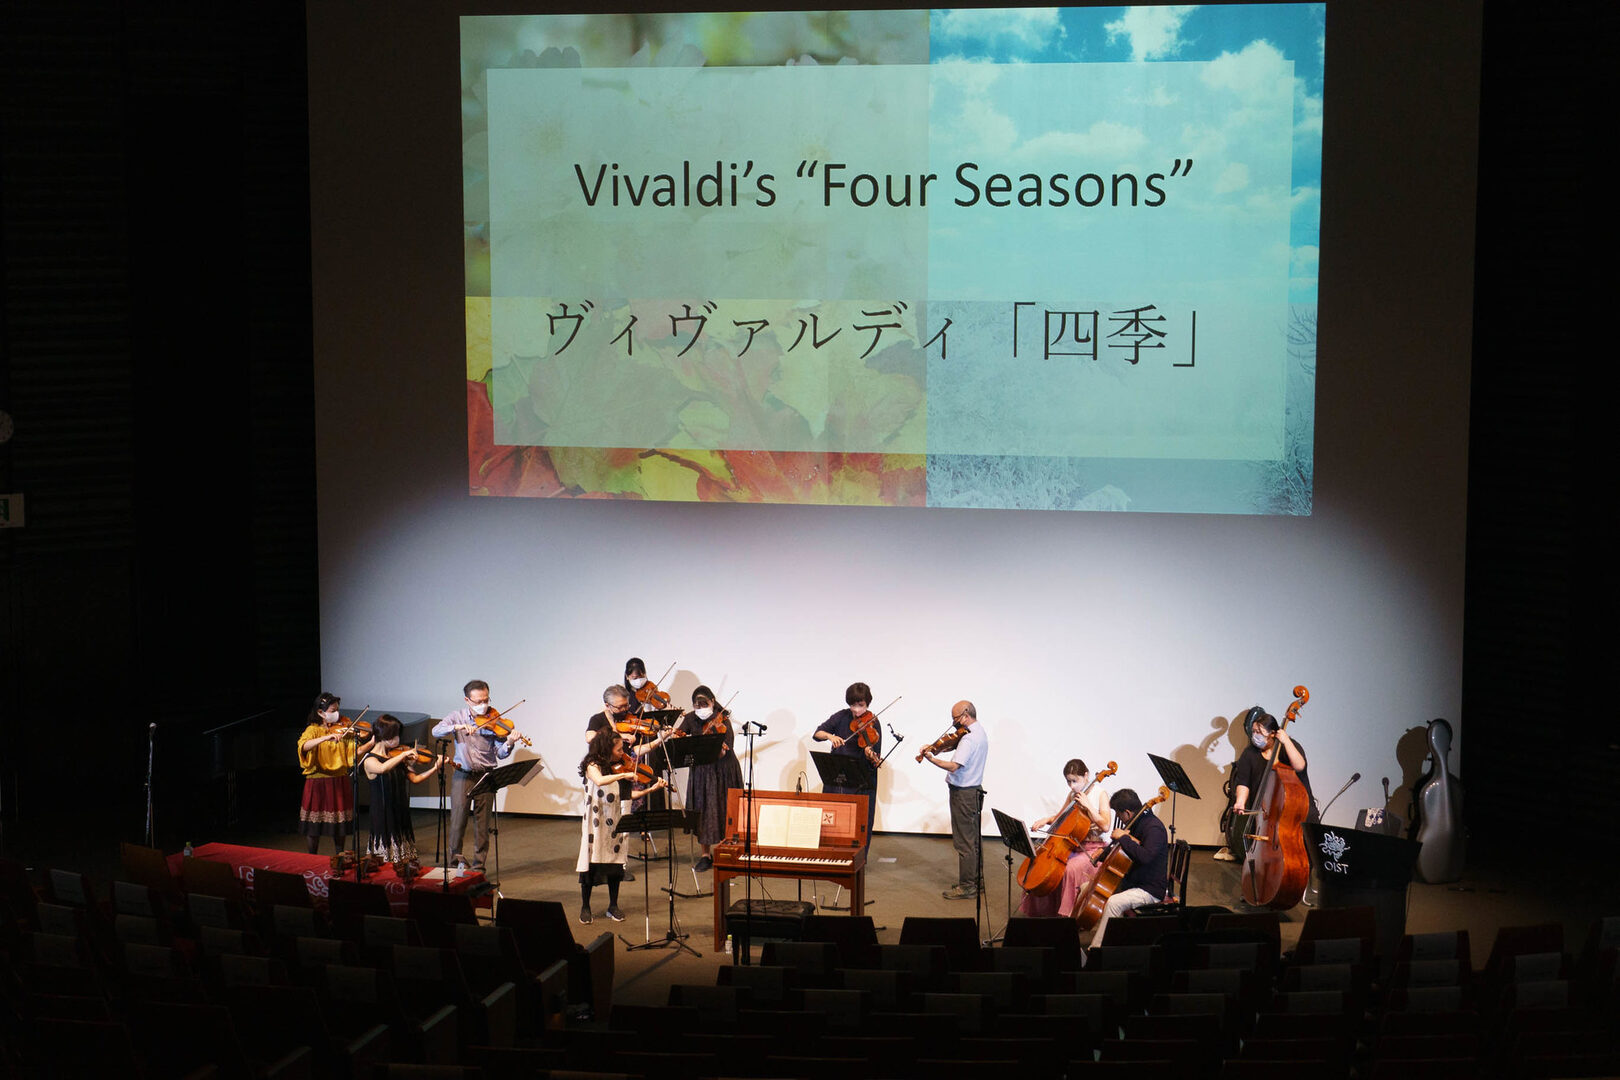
x,y
1043,871
650,696
1277,864
420,755
632,726
358,728
625,762
499,726
719,723
1088,906
946,741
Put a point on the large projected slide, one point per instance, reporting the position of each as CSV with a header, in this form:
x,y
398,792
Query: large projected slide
x,y
989,258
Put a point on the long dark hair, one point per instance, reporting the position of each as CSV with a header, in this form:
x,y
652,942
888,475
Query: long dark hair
x,y
600,751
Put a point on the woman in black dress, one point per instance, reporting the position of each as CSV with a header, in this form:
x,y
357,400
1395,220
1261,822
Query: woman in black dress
x,y
708,784
391,834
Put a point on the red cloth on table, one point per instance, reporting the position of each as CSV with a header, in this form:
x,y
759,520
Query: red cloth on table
x,y
316,871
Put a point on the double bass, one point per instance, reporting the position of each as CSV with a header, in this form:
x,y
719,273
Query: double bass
x,y
1276,864
1088,906
1043,871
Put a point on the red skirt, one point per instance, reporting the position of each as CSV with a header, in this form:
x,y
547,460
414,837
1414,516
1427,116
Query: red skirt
x,y
328,807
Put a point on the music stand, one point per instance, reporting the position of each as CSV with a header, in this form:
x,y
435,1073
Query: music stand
x,y
1176,779
515,774
684,753
644,822
1015,836
850,775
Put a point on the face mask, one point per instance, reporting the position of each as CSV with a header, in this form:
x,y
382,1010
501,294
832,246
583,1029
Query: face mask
x,y
637,684
1260,738
480,710
704,714
330,716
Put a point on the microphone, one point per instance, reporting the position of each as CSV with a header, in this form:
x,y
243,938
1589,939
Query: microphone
x,y
1386,789
1353,778
151,727
798,785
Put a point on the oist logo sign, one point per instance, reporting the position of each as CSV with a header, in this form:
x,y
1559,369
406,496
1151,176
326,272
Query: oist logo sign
x,y
1334,846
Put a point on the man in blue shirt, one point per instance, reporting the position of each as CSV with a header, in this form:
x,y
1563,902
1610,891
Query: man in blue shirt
x,y
965,778
478,750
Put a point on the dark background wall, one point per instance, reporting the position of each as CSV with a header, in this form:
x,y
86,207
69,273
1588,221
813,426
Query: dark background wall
x,y
155,353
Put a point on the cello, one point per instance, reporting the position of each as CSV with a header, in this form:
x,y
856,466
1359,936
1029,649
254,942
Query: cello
x,y
1276,864
1043,871
1088,906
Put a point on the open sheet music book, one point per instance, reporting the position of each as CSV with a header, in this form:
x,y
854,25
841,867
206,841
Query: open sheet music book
x,y
789,826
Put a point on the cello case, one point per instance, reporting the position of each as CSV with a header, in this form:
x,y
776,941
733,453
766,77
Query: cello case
x,y
1437,803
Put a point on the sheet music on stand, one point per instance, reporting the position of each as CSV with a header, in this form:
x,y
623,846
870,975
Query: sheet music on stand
x,y
1174,776
1014,833
1176,779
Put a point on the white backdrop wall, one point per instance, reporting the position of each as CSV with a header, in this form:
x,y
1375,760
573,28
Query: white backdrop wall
x,y
1076,634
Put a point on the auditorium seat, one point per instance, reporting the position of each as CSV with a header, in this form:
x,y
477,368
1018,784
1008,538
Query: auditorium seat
x,y
1038,965
888,991
1144,930
360,998
1060,935
768,986
428,979
957,936
437,914
853,936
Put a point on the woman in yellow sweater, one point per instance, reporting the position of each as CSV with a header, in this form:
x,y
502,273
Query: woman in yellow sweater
x,y
327,754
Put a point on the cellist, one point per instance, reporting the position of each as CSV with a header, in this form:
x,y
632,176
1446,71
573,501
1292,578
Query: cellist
x,y
1147,843
1079,869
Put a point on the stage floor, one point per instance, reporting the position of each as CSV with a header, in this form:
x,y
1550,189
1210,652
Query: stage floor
x,y
905,876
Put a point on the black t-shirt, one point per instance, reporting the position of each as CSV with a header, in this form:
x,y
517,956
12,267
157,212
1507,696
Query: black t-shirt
x,y
839,724
1250,770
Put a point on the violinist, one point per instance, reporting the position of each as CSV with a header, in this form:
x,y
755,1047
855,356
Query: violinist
x,y
965,781
1144,839
478,750
837,728
388,768
602,854
616,705
327,755
1079,869
645,697
707,785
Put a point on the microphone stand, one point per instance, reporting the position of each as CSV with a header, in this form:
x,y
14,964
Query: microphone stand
x,y
1341,791
742,944
441,829
151,756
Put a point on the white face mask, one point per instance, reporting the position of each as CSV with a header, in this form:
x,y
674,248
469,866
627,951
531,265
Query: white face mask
x,y
1261,738
479,709
637,684
330,716
704,714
